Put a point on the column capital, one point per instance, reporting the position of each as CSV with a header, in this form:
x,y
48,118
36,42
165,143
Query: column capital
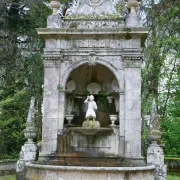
x,y
51,61
132,60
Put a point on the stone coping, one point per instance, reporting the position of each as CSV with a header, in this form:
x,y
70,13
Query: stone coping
x,y
79,168
94,31
89,128
118,19
8,160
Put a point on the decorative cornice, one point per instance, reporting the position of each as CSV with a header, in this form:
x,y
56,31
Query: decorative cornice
x,y
110,32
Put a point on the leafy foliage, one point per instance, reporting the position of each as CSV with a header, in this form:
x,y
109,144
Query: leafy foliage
x,y
21,70
170,126
160,71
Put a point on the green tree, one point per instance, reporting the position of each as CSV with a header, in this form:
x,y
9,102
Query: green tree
x,y
21,70
170,126
161,59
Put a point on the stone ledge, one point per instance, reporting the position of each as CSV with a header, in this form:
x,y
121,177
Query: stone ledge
x,y
7,167
72,168
58,32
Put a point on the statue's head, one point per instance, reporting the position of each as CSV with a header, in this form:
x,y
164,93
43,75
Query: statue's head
x,y
91,97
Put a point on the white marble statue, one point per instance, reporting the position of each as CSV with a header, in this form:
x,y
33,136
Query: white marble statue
x,y
92,106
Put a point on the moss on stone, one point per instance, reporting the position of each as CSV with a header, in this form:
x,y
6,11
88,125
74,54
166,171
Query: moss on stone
x,y
92,16
120,7
73,25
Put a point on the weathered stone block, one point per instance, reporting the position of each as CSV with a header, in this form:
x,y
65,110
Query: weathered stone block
x,y
115,176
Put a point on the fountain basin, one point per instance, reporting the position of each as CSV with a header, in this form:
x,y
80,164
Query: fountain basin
x,y
90,131
49,172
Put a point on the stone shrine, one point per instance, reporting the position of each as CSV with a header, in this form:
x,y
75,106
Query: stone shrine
x,y
96,49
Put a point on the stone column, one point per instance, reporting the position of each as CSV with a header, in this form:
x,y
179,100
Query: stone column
x,y
122,121
132,105
50,105
62,98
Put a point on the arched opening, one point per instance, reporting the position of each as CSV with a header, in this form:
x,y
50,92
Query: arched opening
x,y
98,81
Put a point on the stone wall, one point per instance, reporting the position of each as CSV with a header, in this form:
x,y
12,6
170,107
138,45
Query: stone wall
x,y
7,167
173,165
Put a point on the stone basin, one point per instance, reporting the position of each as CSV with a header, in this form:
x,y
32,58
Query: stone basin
x,y
49,172
90,131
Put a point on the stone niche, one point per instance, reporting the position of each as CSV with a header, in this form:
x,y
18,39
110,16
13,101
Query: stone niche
x,y
98,81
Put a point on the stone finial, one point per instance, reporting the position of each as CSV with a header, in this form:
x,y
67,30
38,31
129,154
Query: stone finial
x,y
154,120
55,5
29,149
155,155
54,20
132,19
31,110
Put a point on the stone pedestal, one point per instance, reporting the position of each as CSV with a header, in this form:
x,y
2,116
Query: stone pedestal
x,y
28,151
155,157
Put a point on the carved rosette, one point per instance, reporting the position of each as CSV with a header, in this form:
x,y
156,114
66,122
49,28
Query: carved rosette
x,y
132,60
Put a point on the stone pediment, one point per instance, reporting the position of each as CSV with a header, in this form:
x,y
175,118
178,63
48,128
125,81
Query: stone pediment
x,y
94,7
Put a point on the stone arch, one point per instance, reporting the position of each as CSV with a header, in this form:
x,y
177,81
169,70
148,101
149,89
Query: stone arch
x,y
67,72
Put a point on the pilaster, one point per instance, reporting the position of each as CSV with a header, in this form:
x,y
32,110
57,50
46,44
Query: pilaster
x,y
62,97
50,104
132,65
122,122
